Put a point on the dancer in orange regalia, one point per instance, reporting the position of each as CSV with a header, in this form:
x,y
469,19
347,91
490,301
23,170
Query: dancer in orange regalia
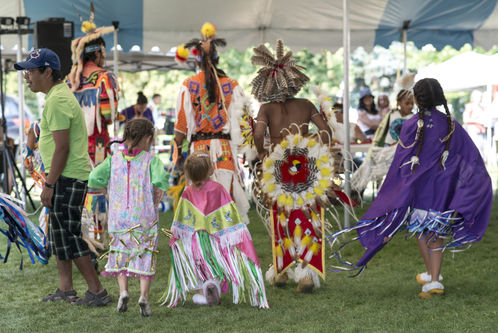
x,y
208,114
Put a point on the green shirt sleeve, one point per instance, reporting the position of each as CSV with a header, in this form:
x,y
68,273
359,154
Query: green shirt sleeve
x,y
159,177
99,177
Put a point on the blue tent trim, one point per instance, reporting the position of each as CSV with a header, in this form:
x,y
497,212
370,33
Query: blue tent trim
x,y
442,22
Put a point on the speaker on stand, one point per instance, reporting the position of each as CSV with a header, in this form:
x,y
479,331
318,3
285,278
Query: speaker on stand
x,y
56,34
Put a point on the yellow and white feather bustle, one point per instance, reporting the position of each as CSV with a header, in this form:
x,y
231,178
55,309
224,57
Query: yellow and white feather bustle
x,y
295,183
244,117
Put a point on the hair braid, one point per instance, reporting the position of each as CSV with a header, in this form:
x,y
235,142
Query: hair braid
x,y
208,63
420,129
450,130
429,94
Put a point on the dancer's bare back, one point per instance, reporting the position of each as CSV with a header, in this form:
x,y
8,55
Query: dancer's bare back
x,y
279,118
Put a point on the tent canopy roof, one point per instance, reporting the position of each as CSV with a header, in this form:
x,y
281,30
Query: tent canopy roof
x,y
314,24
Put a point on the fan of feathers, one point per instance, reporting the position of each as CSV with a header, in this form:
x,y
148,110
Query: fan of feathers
x,y
279,77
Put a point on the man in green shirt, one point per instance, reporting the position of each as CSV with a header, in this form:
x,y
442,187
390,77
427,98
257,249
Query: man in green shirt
x,y
63,147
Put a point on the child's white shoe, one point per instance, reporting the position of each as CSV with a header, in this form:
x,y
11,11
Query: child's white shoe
x,y
212,291
144,306
424,278
431,288
123,301
199,299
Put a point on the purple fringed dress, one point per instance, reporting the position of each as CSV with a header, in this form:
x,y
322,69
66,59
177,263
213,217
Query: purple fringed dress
x,y
455,201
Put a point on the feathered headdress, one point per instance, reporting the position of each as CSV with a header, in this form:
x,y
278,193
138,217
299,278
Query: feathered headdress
x,y
200,47
406,81
78,48
279,77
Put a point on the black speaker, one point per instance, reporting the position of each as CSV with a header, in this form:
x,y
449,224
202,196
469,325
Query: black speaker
x,y
56,34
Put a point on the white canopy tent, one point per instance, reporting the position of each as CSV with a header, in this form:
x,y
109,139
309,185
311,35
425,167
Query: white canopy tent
x,y
464,71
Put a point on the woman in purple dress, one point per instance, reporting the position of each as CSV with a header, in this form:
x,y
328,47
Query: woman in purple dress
x,y
139,110
437,188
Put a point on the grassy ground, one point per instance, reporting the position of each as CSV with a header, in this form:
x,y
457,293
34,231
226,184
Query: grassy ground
x,y
383,298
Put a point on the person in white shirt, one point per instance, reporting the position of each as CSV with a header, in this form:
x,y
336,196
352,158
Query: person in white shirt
x,y
154,106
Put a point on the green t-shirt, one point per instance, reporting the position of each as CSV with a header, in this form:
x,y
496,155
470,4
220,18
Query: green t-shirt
x,y
100,176
62,112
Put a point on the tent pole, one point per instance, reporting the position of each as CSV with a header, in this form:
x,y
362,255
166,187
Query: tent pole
x,y
115,53
115,67
346,40
20,93
404,51
404,30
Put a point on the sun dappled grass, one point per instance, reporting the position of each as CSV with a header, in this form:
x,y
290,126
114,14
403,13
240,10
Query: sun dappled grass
x,y
383,298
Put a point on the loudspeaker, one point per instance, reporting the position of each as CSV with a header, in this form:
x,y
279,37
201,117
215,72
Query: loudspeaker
x,y
56,34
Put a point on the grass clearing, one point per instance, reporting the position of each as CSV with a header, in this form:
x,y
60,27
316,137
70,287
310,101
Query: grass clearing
x,y
384,298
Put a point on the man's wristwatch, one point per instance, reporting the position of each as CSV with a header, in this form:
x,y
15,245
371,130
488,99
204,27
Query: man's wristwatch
x,y
49,185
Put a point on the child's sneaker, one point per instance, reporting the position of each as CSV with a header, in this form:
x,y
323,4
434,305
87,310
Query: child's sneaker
x,y
212,291
199,299
424,278
431,288
144,306
123,301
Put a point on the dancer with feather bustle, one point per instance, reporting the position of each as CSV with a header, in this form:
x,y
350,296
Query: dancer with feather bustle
x,y
297,169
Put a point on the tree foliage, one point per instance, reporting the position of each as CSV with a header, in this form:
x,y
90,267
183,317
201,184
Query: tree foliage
x,y
377,69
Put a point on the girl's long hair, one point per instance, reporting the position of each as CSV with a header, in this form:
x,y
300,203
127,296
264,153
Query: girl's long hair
x,y
135,130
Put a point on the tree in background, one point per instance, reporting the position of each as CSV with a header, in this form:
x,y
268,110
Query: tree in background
x,y
377,69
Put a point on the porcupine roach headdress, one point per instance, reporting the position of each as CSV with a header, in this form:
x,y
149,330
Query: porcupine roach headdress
x,y
279,77
78,46
204,51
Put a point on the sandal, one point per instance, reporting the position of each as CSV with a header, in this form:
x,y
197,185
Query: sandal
x,y
91,299
60,295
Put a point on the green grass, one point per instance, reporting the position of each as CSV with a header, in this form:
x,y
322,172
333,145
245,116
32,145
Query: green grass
x,y
383,298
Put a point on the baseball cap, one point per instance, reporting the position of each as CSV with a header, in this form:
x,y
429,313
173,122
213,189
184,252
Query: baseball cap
x,y
365,92
40,58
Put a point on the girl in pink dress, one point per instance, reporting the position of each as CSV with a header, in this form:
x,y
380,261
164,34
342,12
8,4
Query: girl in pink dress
x,y
135,182
211,248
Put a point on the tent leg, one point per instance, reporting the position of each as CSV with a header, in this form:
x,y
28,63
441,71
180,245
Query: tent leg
x,y
20,91
346,39
116,68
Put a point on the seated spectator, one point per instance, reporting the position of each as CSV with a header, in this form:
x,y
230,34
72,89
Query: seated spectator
x,y
381,153
368,115
354,130
384,105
